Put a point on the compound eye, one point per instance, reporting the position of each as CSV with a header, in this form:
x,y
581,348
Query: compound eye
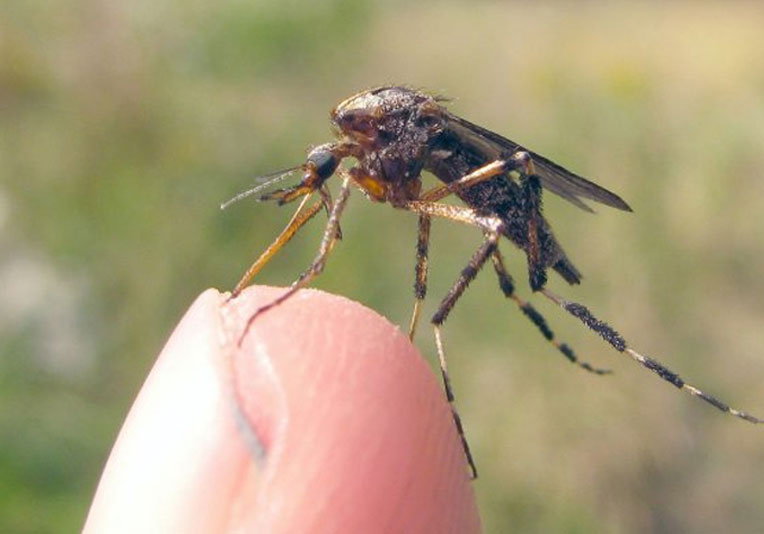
x,y
325,163
357,122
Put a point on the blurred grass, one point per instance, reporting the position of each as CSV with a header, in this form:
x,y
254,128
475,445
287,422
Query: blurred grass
x,y
124,126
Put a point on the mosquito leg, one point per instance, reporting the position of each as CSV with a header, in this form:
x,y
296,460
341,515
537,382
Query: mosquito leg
x,y
454,411
427,207
614,338
317,266
326,200
520,161
459,214
420,271
481,174
507,286
467,275
493,227
295,223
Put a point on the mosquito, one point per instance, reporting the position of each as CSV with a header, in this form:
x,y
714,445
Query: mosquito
x,y
395,133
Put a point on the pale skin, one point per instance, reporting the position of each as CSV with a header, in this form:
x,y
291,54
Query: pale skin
x,y
324,419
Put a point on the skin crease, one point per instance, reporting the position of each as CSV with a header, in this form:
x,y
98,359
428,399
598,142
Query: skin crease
x,y
324,419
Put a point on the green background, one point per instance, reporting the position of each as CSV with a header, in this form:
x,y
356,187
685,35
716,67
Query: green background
x,y
124,125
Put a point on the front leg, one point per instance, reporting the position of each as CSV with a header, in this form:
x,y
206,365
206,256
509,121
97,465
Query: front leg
x,y
299,218
317,266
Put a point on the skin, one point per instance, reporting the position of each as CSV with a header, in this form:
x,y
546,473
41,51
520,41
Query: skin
x,y
324,419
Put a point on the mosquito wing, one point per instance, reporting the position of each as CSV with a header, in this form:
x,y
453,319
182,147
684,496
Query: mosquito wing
x,y
554,177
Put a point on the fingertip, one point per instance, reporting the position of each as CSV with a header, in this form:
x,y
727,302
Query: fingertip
x,y
323,418
356,430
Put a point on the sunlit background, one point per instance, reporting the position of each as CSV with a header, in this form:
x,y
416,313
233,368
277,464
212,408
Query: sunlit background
x,y
123,125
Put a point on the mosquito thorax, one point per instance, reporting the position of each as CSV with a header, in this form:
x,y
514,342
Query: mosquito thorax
x,y
376,117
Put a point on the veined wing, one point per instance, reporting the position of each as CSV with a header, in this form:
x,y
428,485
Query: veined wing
x,y
554,177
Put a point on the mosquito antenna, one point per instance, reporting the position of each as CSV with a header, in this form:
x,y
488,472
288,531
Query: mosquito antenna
x,y
267,179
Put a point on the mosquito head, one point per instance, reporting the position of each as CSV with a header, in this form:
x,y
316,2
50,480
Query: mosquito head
x,y
321,163
319,166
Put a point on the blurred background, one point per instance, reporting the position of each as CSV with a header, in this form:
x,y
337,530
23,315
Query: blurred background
x,y
124,125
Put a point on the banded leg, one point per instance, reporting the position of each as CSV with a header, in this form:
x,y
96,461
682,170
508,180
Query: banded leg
x,y
606,332
420,271
317,266
468,274
295,223
507,286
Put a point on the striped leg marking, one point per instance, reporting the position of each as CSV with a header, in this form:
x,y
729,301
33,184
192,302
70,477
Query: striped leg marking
x,y
508,288
607,333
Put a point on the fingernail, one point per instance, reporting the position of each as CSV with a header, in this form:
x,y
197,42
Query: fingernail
x,y
257,394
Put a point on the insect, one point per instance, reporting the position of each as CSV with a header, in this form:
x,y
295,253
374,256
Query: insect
x,y
394,134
